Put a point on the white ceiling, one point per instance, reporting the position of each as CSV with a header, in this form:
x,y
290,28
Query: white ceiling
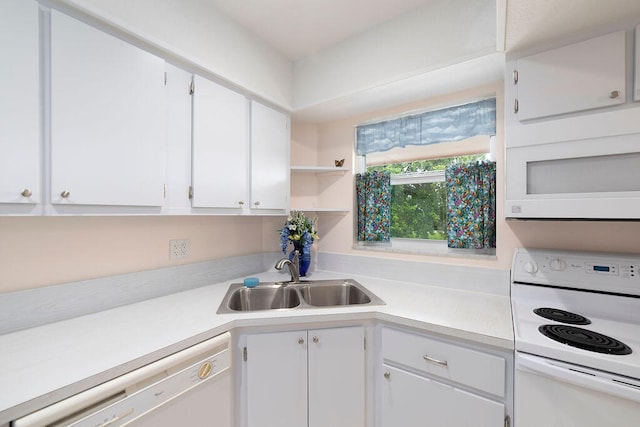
x,y
298,28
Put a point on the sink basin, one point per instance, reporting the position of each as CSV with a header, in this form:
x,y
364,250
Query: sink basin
x,y
266,297
302,295
323,295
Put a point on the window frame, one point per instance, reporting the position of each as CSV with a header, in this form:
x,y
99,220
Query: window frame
x,y
426,246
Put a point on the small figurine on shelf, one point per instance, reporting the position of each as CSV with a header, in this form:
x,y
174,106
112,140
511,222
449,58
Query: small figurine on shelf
x,y
301,232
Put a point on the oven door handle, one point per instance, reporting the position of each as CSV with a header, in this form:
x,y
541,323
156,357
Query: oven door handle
x,y
609,384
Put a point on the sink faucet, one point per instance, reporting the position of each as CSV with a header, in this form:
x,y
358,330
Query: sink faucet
x,y
294,268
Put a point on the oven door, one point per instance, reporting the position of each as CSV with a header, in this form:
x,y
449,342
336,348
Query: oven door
x,y
596,178
556,394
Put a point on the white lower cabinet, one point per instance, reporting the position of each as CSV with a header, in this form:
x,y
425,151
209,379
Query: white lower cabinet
x,y
426,381
412,400
312,378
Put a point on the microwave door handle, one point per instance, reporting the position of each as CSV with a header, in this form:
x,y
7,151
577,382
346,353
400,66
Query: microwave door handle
x,y
537,365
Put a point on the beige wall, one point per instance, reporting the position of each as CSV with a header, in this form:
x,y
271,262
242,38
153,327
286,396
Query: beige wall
x,y
336,140
39,251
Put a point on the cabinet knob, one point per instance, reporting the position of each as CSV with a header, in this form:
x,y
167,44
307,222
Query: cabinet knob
x,y
300,341
65,194
316,340
387,375
615,94
26,193
241,202
257,203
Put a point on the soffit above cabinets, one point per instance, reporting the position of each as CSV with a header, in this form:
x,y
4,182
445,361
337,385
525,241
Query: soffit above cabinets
x,y
321,35
531,23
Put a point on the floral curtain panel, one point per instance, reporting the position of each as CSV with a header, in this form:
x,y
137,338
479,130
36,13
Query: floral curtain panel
x,y
446,125
471,205
373,190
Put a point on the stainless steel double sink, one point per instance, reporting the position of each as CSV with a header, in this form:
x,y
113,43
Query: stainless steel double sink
x,y
301,295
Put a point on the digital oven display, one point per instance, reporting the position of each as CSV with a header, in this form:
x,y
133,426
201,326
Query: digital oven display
x,y
610,269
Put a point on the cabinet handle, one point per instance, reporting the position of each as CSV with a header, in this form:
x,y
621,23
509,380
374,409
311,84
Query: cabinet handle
x,y
516,106
300,341
614,94
65,194
241,202
431,359
387,375
26,193
257,203
316,340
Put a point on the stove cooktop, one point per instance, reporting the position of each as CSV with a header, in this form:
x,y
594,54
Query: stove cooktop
x,y
594,330
584,339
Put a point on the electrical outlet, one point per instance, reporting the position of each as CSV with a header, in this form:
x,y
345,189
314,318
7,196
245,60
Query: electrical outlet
x,y
178,248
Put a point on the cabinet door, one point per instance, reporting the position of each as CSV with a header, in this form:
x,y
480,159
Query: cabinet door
x,y
336,377
178,172
578,77
409,400
270,139
220,146
276,379
107,119
19,103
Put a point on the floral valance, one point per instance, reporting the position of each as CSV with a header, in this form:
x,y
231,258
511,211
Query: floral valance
x,y
432,127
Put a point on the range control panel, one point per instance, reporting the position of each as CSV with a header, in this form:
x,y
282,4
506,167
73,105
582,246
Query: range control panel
x,y
612,273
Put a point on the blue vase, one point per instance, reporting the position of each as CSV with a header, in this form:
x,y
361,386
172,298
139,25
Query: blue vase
x,y
304,260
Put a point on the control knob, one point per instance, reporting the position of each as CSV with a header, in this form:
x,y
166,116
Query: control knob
x,y
557,264
530,267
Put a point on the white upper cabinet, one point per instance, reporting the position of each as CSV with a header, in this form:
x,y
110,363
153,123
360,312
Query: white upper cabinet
x,y
107,119
577,77
220,146
19,106
270,140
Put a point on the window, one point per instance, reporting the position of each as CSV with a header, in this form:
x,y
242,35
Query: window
x,y
429,210
418,196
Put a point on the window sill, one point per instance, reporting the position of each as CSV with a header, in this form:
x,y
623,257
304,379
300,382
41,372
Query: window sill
x,y
424,247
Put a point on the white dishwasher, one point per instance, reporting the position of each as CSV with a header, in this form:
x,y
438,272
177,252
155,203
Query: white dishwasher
x,y
189,388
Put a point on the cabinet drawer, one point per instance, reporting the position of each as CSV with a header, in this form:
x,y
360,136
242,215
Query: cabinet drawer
x,y
473,368
409,400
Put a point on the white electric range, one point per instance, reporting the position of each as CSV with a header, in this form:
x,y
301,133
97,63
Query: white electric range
x,y
577,338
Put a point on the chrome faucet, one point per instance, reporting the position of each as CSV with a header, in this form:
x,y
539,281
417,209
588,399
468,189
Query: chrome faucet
x,y
294,267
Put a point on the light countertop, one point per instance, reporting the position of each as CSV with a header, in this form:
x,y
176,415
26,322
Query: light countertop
x,y
44,364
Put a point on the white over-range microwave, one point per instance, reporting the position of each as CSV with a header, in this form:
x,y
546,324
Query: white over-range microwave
x,y
581,167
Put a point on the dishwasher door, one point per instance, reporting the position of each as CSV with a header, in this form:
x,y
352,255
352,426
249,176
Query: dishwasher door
x,y
207,405
192,388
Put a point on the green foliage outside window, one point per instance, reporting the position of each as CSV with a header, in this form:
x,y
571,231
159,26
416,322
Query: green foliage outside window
x,y
418,211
